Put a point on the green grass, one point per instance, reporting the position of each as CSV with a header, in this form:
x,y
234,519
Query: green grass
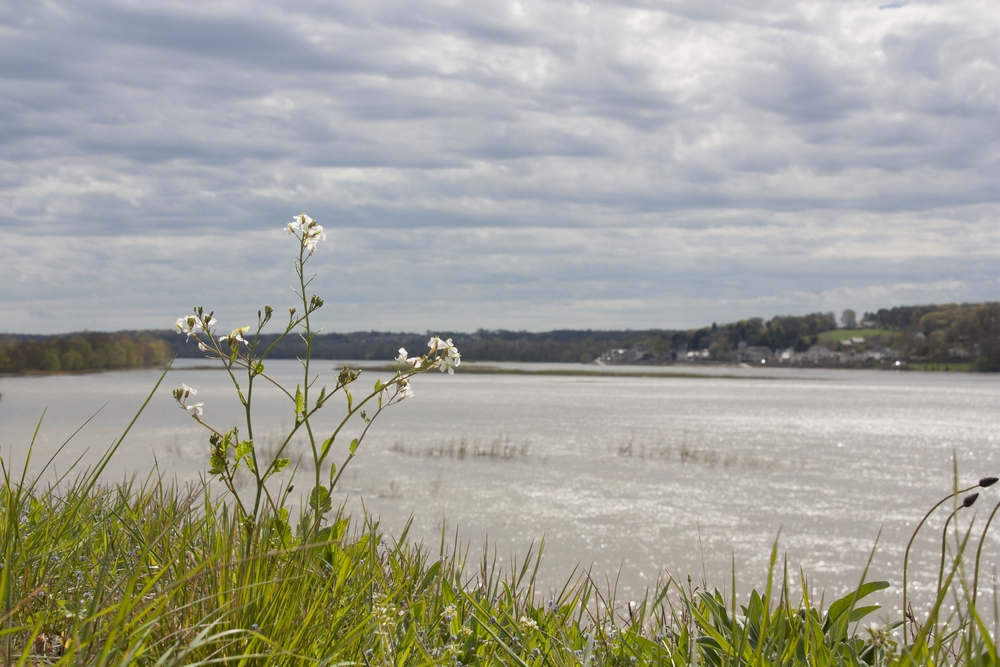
x,y
945,367
146,573
844,334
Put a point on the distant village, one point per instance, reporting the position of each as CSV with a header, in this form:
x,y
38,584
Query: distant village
x,y
966,337
849,352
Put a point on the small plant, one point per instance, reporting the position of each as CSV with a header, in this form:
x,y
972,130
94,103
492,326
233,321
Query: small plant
x,y
243,356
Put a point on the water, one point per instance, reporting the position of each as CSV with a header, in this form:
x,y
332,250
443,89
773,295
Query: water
x,y
628,477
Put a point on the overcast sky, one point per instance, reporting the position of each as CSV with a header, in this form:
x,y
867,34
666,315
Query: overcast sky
x,y
519,165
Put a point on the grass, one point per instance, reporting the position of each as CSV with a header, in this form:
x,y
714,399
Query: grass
x,y
844,334
147,573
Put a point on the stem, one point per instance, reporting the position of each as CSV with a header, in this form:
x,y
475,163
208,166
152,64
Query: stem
x,y
906,554
979,553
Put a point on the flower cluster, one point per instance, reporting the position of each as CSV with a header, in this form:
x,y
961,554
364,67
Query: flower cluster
x,y
449,356
442,355
192,324
182,394
307,230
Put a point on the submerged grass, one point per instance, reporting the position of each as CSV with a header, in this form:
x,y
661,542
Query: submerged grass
x,y
148,573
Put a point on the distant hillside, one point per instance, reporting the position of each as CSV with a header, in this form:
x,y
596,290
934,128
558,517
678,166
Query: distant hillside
x,y
961,335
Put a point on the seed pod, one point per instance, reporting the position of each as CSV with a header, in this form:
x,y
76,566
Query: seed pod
x,y
970,500
988,481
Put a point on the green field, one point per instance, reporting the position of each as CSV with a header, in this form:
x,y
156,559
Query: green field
x,y
844,334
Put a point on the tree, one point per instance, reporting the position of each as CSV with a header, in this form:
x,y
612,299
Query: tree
x,y
849,319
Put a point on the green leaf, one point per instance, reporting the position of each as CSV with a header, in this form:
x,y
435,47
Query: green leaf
x,y
838,608
861,612
243,449
283,530
354,446
217,462
281,464
378,385
326,447
319,500
299,401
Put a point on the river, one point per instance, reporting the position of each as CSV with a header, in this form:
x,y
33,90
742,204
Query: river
x,y
627,477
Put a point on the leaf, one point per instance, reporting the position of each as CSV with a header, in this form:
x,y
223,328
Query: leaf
x,y
838,608
354,446
326,447
861,612
282,528
243,449
319,500
299,401
378,385
217,462
281,464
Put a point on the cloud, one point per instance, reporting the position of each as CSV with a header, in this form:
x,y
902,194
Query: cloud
x,y
507,164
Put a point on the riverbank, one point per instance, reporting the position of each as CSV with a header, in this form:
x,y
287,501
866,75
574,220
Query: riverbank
x,y
138,573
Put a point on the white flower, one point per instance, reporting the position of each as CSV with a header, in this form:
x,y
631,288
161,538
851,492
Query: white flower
x,y
192,324
235,336
436,344
405,391
187,325
307,230
187,391
195,409
414,362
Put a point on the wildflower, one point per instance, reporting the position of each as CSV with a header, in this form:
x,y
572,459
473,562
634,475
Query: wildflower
x,y
195,409
450,360
187,391
192,324
307,230
236,336
450,356
413,362
528,622
255,627
404,389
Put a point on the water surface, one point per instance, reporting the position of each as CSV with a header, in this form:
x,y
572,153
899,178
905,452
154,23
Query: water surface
x,y
629,477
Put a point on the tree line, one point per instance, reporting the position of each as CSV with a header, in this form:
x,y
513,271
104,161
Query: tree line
x,y
89,351
925,333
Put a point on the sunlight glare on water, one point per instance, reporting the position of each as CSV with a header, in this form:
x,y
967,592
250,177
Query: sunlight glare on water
x,y
630,477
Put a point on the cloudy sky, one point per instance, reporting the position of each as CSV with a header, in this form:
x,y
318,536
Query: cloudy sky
x,y
521,165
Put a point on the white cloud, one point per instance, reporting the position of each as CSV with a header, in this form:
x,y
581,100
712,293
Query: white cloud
x,y
602,164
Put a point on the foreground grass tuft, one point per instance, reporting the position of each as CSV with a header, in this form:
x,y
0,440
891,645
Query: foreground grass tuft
x,y
152,574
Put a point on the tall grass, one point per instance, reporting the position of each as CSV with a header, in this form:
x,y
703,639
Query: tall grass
x,y
144,572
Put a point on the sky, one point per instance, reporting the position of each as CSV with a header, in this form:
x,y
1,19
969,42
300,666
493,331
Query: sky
x,y
499,165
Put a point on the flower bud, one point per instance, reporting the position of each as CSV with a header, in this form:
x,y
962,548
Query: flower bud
x,y
970,500
988,481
